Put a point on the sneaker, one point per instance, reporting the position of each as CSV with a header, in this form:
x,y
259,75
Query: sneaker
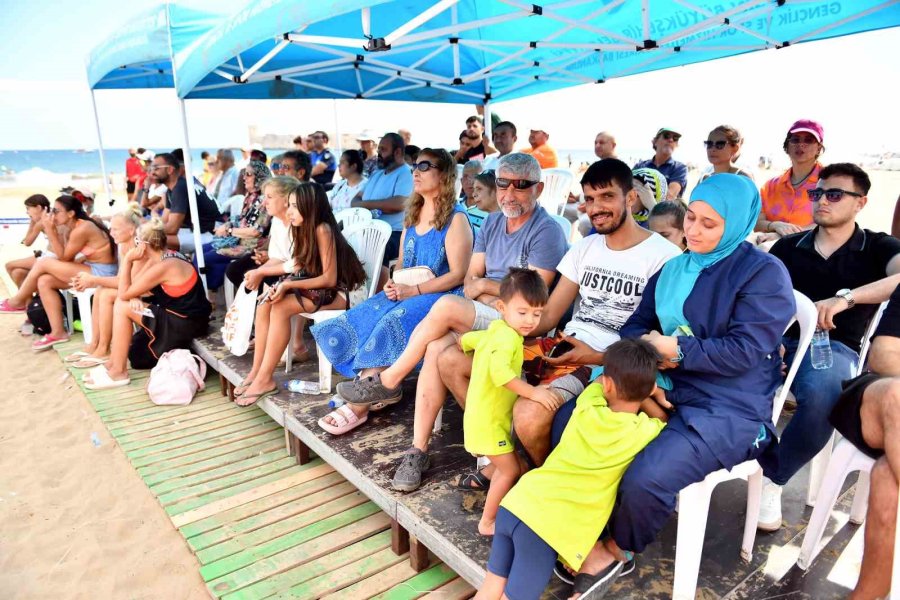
x,y
6,307
368,390
627,568
562,573
409,474
594,587
770,506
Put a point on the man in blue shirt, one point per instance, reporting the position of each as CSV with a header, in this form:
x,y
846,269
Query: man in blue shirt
x,y
388,188
664,144
323,163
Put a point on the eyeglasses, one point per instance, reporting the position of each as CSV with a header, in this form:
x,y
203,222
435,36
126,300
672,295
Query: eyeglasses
x,y
802,141
154,167
519,184
138,241
276,166
832,195
668,135
54,210
424,165
718,144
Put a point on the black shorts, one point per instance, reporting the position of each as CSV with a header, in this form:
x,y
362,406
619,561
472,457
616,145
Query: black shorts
x,y
129,186
164,331
845,415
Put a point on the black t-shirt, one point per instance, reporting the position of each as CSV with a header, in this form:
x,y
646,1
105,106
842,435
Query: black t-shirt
x,y
889,325
177,202
862,260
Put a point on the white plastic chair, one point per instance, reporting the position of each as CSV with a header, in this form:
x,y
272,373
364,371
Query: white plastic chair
x,y
819,463
458,182
368,241
352,216
693,501
84,307
566,226
557,183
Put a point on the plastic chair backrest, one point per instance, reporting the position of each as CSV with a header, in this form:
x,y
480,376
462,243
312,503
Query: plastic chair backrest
x,y
369,240
806,316
352,216
565,224
557,184
867,338
458,182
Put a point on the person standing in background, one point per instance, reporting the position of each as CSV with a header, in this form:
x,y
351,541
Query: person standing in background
x,y
134,171
323,162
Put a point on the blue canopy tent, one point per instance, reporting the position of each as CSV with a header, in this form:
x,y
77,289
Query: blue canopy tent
x,y
482,51
139,56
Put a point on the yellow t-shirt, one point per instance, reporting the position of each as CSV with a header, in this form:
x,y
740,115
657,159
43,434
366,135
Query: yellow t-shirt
x,y
568,500
487,419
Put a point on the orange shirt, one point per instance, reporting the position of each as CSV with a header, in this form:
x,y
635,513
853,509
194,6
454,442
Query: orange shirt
x,y
782,202
545,155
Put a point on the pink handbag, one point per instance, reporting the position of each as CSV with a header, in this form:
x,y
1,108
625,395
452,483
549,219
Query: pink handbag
x,y
176,378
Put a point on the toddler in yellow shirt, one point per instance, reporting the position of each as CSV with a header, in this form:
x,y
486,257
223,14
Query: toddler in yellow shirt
x,y
561,508
496,383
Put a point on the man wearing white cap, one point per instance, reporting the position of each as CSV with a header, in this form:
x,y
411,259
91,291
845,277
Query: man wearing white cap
x,y
367,143
541,150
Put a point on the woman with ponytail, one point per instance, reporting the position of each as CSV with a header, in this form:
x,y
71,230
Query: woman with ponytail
x,y
89,240
160,292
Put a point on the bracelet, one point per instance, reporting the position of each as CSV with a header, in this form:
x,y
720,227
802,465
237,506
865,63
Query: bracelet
x,y
418,290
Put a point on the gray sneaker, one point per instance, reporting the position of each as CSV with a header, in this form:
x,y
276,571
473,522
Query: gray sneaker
x,y
368,390
409,474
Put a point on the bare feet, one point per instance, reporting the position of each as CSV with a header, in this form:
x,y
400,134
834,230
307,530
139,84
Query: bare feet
x,y
486,527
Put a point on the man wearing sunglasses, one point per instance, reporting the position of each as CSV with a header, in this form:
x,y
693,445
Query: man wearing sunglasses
x,y
664,144
847,271
323,161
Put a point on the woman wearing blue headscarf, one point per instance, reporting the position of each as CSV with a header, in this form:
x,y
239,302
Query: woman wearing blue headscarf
x,y
716,315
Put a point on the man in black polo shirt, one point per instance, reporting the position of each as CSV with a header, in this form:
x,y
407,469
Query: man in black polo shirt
x,y
166,169
847,271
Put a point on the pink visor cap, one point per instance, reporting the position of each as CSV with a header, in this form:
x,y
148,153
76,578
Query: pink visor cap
x,y
809,126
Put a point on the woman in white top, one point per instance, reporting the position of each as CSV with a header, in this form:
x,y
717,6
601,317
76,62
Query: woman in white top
x,y
723,148
350,169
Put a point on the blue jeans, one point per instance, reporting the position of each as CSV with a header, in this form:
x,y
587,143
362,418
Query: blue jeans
x,y
808,430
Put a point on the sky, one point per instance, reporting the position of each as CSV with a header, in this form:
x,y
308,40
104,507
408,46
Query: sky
x,y
850,84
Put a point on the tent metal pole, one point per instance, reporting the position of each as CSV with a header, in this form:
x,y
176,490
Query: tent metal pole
x,y
337,127
488,130
192,194
106,185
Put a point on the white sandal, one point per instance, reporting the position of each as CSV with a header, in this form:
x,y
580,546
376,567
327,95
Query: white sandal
x,y
100,380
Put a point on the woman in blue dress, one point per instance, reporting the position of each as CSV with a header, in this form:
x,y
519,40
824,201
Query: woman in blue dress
x,y
370,336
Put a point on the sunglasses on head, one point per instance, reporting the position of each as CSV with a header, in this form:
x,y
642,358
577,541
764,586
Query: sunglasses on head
x,y
519,184
424,165
668,135
718,145
832,195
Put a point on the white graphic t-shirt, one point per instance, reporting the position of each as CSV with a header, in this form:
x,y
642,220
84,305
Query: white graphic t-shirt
x,y
611,283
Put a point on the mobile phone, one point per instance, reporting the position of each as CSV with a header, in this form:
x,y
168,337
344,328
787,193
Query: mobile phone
x,y
560,348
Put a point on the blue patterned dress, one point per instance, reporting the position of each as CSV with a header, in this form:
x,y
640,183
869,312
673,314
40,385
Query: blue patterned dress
x,y
374,333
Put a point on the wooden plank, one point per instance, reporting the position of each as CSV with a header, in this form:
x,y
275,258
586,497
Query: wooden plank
x,y
418,555
146,457
161,422
217,452
347,575
302,474
291,502
247,482
304,562
320,519
457,589
399,538
426,581
184,438
179,430
377,583
199,466
234,468
120,396
142,414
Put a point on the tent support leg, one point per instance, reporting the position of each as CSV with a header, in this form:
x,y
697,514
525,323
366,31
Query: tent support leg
x,y
192,194
106,185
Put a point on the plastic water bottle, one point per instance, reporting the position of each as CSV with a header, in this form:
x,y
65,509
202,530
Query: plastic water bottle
x,y
336,401
299,386
820,350
95,439
376,213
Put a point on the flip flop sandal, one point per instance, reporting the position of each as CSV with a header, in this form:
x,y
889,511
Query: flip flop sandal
x,y
100,380
479,479
76,356
242,387
88,362
594,587
345,418
256,397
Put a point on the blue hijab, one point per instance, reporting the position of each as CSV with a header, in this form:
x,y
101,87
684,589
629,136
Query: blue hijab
x,y
737,201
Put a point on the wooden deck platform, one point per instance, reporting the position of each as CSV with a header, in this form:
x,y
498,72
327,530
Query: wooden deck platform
x,y
444,519
260,524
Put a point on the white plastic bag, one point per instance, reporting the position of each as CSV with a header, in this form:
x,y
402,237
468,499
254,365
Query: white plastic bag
x,y
239,321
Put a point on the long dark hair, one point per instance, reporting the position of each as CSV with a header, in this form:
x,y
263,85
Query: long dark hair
x,y
313,204
71,203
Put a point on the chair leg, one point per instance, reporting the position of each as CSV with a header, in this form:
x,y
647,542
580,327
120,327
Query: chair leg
x,y
694,501
754,496
324,371
817,471
288,355
229,292
70,312
87,317
860,499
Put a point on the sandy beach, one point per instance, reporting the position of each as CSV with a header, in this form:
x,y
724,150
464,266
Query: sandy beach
x,y
76,521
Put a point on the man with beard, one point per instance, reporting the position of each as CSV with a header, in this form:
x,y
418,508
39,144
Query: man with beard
x,y
664,145
847,271
388,188
167,170
504,136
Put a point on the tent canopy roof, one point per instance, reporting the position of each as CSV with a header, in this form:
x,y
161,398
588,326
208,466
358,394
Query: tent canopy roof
x,y
469,51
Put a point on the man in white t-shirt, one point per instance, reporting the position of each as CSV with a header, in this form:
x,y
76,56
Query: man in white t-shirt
x,y
607,274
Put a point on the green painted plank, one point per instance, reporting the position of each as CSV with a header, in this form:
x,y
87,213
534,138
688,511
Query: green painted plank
x,y
140,414
179,439
162,422
154,455
177,431
119,406
226,518
235,467
205,466
272,464
248,555
189,504
217,451
425,581
345,576
279,572
261,529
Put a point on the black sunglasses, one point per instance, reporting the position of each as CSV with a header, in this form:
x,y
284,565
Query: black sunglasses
x,y
519,184
832,195
668,135
424,165
718,145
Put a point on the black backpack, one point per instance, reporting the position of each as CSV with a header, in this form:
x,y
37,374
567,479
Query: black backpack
x,y
38,316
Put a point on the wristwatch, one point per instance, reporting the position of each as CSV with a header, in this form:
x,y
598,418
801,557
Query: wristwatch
x,y
847,295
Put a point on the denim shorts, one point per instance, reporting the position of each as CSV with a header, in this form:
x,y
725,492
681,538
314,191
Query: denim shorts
x,y
484,315
103,270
